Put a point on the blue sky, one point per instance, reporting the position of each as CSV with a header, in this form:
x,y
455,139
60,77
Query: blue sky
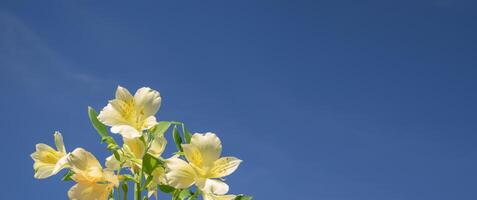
x,y
328,100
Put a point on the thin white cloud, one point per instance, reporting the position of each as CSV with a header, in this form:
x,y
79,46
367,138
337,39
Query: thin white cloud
x,y
26,59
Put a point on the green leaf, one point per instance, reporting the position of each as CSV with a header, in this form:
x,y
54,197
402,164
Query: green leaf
x,y
166,188
187,135
178,153
195,195
177,138
149,163
176,123
111,197
160,128
184,194
147,182
116,155
67,176
100,127
125,190
103,132
243,197
129,177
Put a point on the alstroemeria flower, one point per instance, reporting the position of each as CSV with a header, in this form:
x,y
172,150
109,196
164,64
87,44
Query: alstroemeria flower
x,y
205,166
214,191
93,183
129,115
134,150
48,161
159,177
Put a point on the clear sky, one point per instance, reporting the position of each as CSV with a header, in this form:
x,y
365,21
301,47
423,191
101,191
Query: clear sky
x,y
326,100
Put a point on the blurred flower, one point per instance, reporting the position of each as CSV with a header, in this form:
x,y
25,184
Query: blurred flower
x,y
213,190
204,168
93,183
129,115
159,177
134,149
48,161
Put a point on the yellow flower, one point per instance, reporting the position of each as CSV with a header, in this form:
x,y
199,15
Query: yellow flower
x,y
159,177
133,152
210,196
215,190
48,161
129,115
204,168
93,183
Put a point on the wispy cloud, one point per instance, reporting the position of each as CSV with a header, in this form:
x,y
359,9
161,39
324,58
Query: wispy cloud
x,y
28,60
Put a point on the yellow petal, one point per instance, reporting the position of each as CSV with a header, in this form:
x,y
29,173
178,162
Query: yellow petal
x,y
158,145
111,117
147,101
192,154
85,166
123,94
44,148
213,186
159,177
179,174
203,149
60,145
149,122
46,161
43,171
94,191
136,146
209,196
126,131
110,177
112,163
224,167
61,164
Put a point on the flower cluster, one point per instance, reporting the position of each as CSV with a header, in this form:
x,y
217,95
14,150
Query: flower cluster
x,y
196,169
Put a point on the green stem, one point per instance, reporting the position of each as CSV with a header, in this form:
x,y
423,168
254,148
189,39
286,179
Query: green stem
x,y
118,195
137,187
125,190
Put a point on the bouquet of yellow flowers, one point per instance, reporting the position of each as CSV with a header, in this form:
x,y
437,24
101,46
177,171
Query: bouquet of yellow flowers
x,y
196,169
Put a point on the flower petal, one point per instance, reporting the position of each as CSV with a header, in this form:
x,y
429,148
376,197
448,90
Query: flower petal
x,y
209,196
112,163
203,149
126,131
123,94
111,117
158,145
43,148
136,146
149,122
147,100
224,167
192,154
179,173
93,191
60,145
110,177
85,166
61,164
213,186
43,171
46,159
